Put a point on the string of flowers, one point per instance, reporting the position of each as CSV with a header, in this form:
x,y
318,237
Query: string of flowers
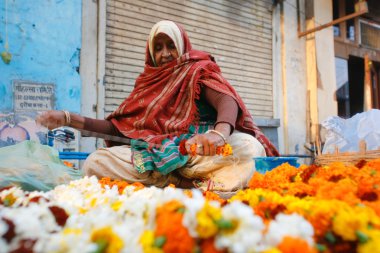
x,y
120,184
351,184
341,202
286,210
225,150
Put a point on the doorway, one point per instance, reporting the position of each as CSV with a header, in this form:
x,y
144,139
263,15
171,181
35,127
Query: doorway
x,y
350,85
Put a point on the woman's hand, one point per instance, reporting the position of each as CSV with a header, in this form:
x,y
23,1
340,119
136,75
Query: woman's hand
x,y
208,142
51,119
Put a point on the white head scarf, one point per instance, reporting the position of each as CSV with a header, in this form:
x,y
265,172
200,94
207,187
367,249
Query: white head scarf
x,y
169,28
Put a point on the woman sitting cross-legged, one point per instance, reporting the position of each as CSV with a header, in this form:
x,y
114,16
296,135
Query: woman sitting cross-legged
x,y
184,111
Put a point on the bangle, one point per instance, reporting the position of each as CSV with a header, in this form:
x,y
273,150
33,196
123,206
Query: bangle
x,y
218,133
67,118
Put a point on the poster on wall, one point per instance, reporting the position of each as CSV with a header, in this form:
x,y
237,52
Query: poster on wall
x,y
31,96
29,99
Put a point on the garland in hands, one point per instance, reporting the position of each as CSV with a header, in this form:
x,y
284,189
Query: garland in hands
x,y
224,150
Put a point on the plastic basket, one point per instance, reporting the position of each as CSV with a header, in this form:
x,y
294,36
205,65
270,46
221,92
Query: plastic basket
x,y
264,164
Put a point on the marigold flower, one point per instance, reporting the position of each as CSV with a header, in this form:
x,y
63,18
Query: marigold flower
x,y
169,225
295,245
106,239
9,200
209,195
182,147
68,164
106,181
224,150
347,222
206,218
372,245
208,246
147,240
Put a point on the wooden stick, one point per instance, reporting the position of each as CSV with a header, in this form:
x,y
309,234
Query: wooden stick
x,y
336,21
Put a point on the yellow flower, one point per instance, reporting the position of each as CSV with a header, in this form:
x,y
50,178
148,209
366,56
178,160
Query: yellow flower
x,y
93,202
272,250
75,231
348,221
373,243
254,197
147,242
9,200
300,206
116,205
298,178
107,240
206,218
147,238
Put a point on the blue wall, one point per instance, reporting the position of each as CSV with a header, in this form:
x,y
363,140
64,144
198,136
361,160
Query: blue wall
x,y
44,38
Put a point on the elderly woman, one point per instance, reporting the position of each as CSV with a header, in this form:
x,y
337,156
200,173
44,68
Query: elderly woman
x,y
181,97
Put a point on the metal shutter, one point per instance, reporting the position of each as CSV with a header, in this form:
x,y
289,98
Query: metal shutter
x,y
237,33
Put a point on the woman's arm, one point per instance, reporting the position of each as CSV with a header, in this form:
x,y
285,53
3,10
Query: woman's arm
x,y
54,119
227,112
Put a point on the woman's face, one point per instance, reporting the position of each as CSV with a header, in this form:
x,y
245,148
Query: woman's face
x,y
164,49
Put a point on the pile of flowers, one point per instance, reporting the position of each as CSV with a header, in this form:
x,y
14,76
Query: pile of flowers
x,y
332,208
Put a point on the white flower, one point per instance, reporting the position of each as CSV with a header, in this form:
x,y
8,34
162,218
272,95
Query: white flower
x,y
292,225
3,230
193,206
67,241
247,235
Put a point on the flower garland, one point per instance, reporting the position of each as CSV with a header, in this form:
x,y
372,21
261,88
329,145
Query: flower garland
x,y
88,215
225,150
331,208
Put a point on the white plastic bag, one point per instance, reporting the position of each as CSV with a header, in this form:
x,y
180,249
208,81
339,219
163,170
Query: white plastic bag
x,y
33,166
345,134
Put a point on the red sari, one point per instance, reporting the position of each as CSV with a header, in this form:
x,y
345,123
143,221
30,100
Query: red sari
x,y
163,102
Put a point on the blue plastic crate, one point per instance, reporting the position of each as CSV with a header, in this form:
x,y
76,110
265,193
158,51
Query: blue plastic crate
x,y
264,164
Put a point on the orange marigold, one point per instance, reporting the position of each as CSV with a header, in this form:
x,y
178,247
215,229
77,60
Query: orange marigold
x,y
213,196
169,225
106,181
208,246
295,245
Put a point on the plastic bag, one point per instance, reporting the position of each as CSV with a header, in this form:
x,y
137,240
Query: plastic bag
x,y
33,166
347,133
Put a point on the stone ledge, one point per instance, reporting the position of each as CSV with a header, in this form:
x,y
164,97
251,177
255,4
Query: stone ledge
x,y
260,122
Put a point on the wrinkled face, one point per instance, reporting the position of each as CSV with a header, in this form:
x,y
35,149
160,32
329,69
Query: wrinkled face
x,y
164,49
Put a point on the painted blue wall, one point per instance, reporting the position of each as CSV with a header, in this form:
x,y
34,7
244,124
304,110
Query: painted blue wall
x,y
44,38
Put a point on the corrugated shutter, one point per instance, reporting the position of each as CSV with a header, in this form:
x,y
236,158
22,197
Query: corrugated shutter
x,y
237,33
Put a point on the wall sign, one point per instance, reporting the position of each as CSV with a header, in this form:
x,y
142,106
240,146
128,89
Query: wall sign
x,y
31,96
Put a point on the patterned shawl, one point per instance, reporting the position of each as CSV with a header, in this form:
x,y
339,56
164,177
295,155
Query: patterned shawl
x,y
163,102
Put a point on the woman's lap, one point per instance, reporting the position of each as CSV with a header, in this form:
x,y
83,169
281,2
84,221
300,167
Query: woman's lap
x,y
216,173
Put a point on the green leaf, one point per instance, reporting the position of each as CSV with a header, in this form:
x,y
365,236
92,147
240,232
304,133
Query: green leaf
x,y
267,214
159,241
101,246
224,224
6,57
7,202
330,237
181,210
362,238
197,249
321,247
